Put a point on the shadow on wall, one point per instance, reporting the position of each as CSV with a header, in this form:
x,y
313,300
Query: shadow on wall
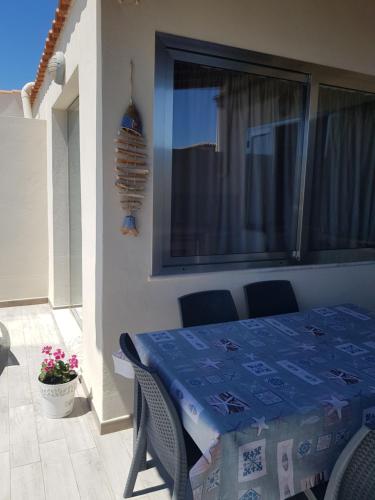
x,y
119,397
7,358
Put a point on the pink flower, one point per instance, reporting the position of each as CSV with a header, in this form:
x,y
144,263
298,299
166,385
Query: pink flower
x,y
47,349
51,363
73,362
59,354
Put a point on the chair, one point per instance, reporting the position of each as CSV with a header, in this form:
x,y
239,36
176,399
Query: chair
x,y
204,308
267,298
353,476
160,431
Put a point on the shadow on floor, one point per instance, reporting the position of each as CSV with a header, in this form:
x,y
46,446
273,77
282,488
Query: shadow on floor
x,y
81,407
151,489
7,358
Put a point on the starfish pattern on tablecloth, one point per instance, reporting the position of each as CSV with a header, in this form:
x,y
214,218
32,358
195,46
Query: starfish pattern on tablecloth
x,y
336,405
209,363
260,424
307,347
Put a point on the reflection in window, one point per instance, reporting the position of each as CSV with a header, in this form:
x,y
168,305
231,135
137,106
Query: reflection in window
x,y
237,141
343,193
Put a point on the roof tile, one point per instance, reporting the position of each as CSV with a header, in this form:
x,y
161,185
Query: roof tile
x,y
50,44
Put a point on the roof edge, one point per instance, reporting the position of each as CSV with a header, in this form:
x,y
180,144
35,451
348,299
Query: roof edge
x,y
61,14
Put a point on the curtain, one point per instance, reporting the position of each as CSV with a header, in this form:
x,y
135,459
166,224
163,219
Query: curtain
x,y
235,191
343,190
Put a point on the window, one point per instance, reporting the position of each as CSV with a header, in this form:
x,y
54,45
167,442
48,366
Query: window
x,y
343,206
259,164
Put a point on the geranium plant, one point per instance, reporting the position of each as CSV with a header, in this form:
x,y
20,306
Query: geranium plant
x,y
55,369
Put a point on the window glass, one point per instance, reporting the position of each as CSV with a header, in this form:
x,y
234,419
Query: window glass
x,y
343,190
236,162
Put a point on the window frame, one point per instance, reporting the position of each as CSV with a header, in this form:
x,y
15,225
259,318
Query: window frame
x,y
169,48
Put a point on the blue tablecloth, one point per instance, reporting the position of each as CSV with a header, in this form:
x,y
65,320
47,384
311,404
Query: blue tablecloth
x,y
271,402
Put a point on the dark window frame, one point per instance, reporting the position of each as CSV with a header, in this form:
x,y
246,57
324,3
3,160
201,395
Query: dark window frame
x,y
170,48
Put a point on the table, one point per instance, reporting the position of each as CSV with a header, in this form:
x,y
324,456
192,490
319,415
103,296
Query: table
x,y
271,402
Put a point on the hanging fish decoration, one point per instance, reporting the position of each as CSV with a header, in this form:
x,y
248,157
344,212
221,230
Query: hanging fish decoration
x,y
131,166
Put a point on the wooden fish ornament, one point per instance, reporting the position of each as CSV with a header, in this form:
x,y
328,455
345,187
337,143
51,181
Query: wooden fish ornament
x,y
131,166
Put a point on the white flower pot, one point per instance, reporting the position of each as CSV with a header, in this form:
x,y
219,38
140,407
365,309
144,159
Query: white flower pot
x,y
57,400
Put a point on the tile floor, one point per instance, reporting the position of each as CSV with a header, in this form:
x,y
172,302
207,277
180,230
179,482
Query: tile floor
x,y
61,459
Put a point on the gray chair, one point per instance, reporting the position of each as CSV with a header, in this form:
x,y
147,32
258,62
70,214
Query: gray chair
x,y
160,431
353,476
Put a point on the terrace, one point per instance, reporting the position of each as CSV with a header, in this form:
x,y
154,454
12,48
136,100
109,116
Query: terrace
x,y
169,163
45,458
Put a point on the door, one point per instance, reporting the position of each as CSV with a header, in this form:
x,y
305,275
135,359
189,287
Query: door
x,y
75,227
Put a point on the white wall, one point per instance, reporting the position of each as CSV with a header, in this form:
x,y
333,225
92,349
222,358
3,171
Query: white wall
x,y
80,42
333,33
23,209
10,103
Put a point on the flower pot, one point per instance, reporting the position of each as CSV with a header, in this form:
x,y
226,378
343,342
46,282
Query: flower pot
x,y
57,400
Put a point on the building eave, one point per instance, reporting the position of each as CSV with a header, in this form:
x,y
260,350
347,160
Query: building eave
x,y
50,44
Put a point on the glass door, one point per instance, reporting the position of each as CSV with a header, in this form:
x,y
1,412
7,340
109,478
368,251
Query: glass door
x,y
75,227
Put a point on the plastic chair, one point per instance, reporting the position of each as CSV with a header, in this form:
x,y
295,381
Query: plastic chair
x,y
204,308
353,476
267,298
160,431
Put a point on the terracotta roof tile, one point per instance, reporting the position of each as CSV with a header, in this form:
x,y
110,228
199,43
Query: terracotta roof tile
x,y
49,47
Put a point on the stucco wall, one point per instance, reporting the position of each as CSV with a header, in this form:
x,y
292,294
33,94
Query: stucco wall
x,y
333,33
80,41
10,103
23,209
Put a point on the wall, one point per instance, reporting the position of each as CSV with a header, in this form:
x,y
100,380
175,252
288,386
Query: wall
x,y
333,33
23,209
10,103
80,41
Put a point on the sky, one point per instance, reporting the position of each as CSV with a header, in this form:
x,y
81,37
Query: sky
x,y
194,116
24,26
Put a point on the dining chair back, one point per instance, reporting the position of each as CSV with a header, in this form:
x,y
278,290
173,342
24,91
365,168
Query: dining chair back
x,y
208,307
353,476
354,473
160,430
267,298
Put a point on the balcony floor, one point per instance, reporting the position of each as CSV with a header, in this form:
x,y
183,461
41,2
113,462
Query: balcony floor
x,y
55,459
